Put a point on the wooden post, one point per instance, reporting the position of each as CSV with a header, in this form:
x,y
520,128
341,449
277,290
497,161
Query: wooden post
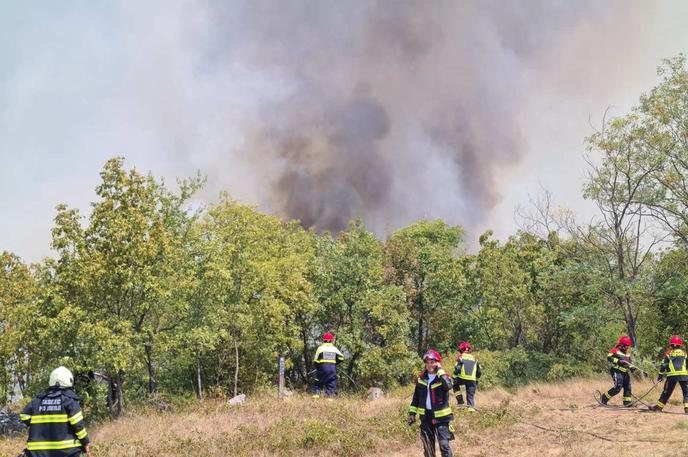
x,y
281,377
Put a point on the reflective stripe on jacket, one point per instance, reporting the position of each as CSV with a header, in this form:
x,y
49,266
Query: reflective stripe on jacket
x,y
467,368
616,357
674,363
328,353
440,388
56,424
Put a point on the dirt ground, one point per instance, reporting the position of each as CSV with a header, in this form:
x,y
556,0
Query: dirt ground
x,y
538,420
564,420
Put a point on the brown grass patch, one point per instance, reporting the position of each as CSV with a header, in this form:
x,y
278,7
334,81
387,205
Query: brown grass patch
x,y
538,420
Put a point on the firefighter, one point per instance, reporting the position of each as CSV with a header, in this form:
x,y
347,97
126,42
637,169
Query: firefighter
x,y
431,402
55,421
327,357
620,358
466,373
674,368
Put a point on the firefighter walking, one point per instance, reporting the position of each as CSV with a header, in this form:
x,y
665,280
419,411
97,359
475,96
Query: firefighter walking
x,y
466,373
674,368
620,358
326,359
56,424
431,402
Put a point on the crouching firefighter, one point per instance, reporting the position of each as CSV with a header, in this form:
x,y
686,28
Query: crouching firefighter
x,y
466,373
674,368
620,358
431,402
327,357
56,424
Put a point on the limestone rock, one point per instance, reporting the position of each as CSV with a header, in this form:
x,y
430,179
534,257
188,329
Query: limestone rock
x,y
238,400
374,393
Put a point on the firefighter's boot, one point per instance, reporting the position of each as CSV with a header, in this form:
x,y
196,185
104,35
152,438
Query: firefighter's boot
x,y
459,399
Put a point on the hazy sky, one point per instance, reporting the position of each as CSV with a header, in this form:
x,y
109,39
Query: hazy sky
x,y
320,110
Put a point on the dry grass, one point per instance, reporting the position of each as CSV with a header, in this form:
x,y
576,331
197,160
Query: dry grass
x,y
538,420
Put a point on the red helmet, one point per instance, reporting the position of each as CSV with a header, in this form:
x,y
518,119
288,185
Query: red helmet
x,y
465,345
432,354
624,340
328,336
675,341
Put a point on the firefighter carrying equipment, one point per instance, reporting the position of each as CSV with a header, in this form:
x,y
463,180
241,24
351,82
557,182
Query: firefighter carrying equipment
x,y
620,365
674,368
56,424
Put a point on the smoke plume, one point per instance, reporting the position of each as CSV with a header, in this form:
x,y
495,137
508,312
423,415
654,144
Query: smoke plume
x,y
391,111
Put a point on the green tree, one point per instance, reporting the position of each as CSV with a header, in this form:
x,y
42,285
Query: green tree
x,y
126,272
254,292
17,309
368,316
414,255
622,240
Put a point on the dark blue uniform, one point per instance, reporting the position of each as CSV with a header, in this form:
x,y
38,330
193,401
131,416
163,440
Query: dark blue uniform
x,y
466,373
327,357
435,420
619,371
674,368
56,424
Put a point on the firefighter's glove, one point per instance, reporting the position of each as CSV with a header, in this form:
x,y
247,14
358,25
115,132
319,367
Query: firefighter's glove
x,y
452,430
411,420
660,377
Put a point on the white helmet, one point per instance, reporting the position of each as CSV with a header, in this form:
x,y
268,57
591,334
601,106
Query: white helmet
x,y
62,377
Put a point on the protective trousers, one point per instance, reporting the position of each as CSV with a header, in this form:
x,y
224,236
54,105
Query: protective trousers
x,y
470,391
669,386
621,380
327,379
430,430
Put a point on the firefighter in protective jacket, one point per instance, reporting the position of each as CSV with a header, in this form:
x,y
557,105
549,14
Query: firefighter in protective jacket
x,y
466,373
431,402
674,368
327,357
620,358
55,421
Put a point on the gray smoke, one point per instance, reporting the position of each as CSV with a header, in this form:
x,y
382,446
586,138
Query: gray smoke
x,y
320,110
393,111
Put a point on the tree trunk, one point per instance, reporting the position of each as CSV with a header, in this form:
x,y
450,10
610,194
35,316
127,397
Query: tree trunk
x,y
630,321
199,386
306,356
236,367
115,400
152,385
